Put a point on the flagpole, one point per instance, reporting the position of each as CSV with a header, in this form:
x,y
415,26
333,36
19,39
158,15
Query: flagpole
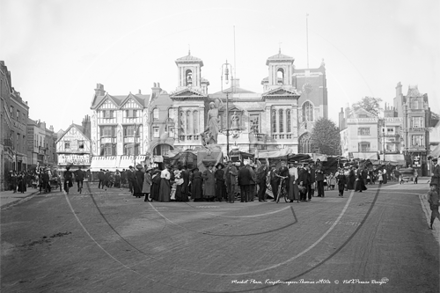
x,y
307,38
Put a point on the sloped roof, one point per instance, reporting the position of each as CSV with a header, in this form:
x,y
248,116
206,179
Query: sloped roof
x,y
279,57
235,90
189,59
357,112
282,91
78,127
120,99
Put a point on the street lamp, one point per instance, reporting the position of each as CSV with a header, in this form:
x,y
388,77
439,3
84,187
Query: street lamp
x,y
226,68
384,144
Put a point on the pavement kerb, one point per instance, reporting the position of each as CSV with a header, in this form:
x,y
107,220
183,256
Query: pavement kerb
x,y
11,203
436,226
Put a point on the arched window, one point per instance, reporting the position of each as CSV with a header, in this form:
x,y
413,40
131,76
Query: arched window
x,y
188,77
281,120
305,144
196,122
182,122
307,110
188,121
274,121
280,76
288,122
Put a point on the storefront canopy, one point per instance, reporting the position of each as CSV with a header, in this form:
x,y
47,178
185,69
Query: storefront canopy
x,y
282,153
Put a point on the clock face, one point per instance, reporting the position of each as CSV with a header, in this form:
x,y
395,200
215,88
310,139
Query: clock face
x,y
307,87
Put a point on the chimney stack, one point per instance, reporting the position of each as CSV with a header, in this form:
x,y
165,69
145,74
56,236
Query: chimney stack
x,y
99,91
155,90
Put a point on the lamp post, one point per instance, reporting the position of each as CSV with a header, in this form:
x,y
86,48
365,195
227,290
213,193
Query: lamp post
x,y
384,144
225,73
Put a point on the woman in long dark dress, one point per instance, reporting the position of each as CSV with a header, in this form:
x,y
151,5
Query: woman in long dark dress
x,y
155,185
351,179
165,187
220,187
184,187
138,182
360,184
196,185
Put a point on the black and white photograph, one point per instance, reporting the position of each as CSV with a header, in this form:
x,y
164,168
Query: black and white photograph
x,y
220,146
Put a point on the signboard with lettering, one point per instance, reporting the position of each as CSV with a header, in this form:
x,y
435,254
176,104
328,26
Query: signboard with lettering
x,y
68,159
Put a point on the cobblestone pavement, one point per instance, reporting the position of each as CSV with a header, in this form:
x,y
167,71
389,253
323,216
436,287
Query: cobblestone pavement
x,y
109,241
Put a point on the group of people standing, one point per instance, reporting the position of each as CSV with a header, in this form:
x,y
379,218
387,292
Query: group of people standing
x,y
227,183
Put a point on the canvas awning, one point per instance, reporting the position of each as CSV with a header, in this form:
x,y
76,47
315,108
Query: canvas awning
x,y
275,154
126,161
393,158
106,163
435,153
365,156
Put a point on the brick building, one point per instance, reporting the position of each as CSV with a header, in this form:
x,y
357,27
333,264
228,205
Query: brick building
x,y
14,113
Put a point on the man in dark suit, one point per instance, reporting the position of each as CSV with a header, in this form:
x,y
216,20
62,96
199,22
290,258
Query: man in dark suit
x,y
436,174
244,180
101,178
261,181
230,181
130,179
311,183
303,182
320,182
184,190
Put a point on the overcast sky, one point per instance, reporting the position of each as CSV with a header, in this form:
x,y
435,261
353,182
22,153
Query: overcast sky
x,y
57,51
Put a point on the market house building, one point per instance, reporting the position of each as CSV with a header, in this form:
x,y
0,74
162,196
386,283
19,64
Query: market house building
x,y
281,117
74,148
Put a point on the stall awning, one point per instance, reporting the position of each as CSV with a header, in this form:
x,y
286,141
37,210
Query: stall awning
x,y
396,158
365,156
126,161
275,154
106,163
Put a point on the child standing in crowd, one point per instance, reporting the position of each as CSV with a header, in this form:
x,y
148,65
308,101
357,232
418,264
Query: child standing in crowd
x,y
433,200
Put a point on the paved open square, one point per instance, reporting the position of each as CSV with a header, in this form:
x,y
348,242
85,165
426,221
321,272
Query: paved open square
x,y
109,241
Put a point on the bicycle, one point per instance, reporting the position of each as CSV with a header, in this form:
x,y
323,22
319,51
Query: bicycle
x,y
282,191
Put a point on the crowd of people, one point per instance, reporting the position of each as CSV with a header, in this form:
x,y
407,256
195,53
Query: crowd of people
x,y
237,181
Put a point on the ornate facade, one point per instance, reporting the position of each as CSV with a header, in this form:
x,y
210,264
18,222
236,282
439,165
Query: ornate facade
x,y
190,117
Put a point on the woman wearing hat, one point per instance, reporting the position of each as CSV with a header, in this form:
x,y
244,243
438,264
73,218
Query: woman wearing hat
x,y
138,182
146,186
155,185
220,187
165,187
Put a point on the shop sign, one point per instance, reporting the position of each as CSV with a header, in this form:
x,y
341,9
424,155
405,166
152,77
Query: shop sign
x,y
73,159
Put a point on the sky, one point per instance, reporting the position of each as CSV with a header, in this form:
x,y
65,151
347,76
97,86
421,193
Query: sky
x,y
57,51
